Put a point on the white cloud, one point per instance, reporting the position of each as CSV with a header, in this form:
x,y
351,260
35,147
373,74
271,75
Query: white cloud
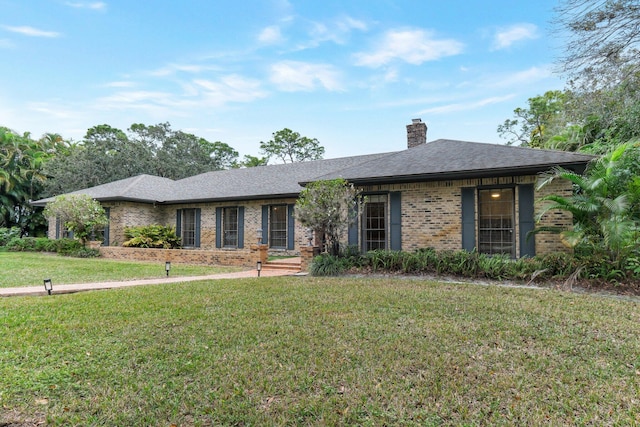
x,y
411,46
231,88
120,84
525,77
97,5
506,37
32,32
270,35
184,68
336,31
293,76
466,106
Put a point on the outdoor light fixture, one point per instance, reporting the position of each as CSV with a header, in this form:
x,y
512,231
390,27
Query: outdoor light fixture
x,y
309,236
167,267
259,235
495,195
48,286
259,267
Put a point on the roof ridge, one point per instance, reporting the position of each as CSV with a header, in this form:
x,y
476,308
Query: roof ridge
x,y
548,150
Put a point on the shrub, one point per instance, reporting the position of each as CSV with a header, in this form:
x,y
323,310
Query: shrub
x,y
326,265
151,236
69,247
6,234
26,244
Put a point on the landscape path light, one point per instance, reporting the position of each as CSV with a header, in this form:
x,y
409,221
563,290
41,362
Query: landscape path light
x,y
259,267
167,267
48,286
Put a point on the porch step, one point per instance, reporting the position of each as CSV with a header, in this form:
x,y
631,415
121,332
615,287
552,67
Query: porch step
x,y
293,264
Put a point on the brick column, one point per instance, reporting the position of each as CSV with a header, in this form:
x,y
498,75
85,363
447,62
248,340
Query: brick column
x,y
306,256
258,253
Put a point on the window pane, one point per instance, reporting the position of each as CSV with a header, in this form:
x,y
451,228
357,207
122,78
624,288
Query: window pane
x,y
278,227
230,227
375,232
188,227
495,222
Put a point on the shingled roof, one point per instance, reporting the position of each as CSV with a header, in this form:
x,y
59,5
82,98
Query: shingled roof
x,y
140,188
451,159
437,160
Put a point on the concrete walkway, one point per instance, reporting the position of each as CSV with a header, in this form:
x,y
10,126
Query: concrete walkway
x,y
80,287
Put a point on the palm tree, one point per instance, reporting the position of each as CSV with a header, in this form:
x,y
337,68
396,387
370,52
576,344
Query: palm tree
x,y
603,214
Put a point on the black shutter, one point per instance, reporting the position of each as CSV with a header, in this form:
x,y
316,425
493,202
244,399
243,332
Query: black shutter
x,y
218,227
291,226
241,227
352,238
468,219
395,220
179,223
526,221
105,241
265,224
57,228
197,237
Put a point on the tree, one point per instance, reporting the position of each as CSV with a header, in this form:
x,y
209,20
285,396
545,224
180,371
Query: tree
x,y
533,126
605,204
252,161
108,154
328,208
79,213
21,179
604,35
289,147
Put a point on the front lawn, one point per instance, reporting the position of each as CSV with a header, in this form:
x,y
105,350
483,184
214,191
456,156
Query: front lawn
x,y
315,351
30,268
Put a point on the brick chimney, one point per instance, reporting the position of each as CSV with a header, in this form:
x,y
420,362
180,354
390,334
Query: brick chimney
x,y
416,133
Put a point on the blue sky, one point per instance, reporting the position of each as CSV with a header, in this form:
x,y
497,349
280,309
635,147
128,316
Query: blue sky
x,y
350,73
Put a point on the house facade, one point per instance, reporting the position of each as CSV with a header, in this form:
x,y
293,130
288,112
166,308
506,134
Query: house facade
x,y
444,194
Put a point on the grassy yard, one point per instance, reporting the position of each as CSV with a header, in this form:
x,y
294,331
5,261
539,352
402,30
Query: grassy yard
x,y
30,268
309,351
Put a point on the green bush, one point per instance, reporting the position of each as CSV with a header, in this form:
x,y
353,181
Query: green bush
x,y
65,247
26,244
326,265
6,234
557,265
151,236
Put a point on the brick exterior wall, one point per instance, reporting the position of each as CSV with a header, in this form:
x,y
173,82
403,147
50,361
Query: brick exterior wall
x,y
432,212
126,214
239,258
431,217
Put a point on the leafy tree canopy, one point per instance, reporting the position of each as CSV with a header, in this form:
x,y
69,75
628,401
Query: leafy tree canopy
x,y
328,207
21,178
108,154
288,147
79,213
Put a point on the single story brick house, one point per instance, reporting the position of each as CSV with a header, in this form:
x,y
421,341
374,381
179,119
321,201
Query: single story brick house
x,y
444,194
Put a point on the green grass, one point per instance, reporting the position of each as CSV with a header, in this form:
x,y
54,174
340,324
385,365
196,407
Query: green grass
x,y
314,351
29,268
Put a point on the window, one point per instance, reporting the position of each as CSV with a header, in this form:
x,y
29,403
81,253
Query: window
x,y
230,227
188,227
375,223
496,221
278,226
